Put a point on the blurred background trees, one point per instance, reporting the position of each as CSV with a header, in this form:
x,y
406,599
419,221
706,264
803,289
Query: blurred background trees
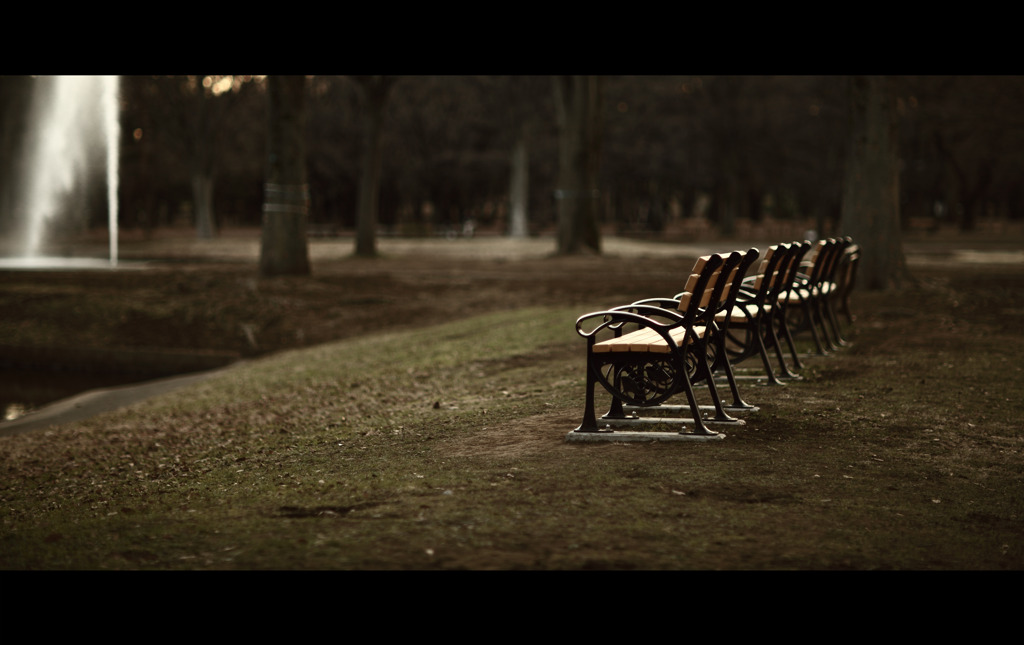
x,y
679,156
193,150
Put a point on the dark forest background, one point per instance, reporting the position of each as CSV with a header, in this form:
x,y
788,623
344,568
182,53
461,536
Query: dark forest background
x,y
714,151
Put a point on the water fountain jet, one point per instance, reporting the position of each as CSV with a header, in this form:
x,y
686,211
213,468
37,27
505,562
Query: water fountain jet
x,y
75,128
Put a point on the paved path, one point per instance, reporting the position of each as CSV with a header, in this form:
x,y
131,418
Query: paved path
x,y
93,402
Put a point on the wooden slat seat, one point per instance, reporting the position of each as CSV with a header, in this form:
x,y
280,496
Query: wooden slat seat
x,y
740,313
648,340
800,294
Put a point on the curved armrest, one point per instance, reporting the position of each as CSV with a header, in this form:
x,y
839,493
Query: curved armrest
x,y
670,304
648,310
615,318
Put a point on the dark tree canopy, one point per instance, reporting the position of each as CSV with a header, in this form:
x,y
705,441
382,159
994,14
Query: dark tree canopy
x,y
707,152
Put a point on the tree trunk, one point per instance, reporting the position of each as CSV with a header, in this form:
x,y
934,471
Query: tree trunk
x,y
369,181
284,247
375,92
519,189
202,195
727,205
870,207
972,196
577,99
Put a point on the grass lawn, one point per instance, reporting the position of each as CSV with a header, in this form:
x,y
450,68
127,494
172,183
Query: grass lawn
x,y
442,446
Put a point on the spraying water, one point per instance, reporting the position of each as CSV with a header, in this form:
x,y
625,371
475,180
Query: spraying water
x,y
112,128
77,128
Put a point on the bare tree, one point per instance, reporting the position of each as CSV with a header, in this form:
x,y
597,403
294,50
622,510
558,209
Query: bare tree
x,y
871,191
284,247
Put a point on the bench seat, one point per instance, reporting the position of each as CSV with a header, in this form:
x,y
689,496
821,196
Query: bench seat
x,y
800,294
740,313
648,340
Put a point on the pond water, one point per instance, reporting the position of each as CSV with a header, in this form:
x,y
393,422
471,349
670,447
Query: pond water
x,y
25,390
53,263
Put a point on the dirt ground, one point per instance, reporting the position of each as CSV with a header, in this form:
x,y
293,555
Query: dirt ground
x,y
904,454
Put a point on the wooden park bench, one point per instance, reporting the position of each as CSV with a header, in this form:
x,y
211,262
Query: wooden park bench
x,y
649,351
756,319
811,300
645,353
846,278
718,358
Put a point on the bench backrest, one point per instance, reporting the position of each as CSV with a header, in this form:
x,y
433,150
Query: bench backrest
x,y
790,273
834,272
773,272
846,270
736,280
768,268
826,260
721,282
720,288
699,285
